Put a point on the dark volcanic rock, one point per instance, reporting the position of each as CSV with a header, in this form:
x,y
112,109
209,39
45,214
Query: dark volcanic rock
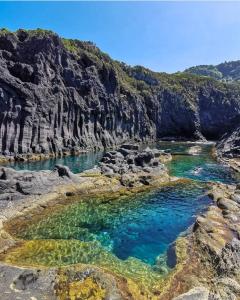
x,y
19,184
60,95
229,145
64,171
133,166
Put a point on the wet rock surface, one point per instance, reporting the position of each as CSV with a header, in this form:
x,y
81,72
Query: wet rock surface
x,y
134,166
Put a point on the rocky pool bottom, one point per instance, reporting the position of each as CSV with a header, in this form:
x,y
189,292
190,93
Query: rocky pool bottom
x,y
131,236
140,227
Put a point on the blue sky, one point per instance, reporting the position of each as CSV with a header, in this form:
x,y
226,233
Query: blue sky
x,y
163,36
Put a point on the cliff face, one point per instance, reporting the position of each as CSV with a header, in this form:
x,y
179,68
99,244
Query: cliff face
x,y
229,145
58,95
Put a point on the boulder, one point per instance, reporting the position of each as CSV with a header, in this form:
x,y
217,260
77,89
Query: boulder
x,y
130,147
236,197
19,184
63,171
227,204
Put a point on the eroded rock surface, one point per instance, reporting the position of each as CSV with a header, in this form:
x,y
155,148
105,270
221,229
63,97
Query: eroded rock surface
x,y
133,166
15,185
229,146
216,240
53,284
198,293
24,284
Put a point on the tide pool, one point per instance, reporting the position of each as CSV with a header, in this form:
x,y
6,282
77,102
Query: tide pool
x,y
141,227
126,234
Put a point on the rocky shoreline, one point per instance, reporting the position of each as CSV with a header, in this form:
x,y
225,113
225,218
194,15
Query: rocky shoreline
x,y
34,196
214,248
207,258
4,159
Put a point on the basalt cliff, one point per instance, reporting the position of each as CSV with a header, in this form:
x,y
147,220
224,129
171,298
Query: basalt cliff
x,y
59,95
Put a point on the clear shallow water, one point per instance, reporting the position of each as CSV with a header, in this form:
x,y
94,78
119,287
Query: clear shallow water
x,y
200,167
76,163
142,227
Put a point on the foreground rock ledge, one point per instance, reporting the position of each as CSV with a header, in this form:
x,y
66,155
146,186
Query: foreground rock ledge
x,y
24,193
212,269
208,258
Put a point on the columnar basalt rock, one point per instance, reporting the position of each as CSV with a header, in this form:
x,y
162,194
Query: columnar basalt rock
x,y
59,96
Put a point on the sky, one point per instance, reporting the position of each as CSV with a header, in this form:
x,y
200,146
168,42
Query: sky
x,y
162,36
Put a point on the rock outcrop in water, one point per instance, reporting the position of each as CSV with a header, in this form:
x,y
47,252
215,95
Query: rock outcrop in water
x,y
129,166
59,96
218,234
133,166
215,249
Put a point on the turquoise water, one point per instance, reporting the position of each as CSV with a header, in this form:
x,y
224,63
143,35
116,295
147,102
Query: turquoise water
x,y
146,231
76,163
200,167
143,226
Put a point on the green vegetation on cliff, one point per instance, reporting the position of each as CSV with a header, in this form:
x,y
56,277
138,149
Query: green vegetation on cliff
x,y
227,71
138,79
121,102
